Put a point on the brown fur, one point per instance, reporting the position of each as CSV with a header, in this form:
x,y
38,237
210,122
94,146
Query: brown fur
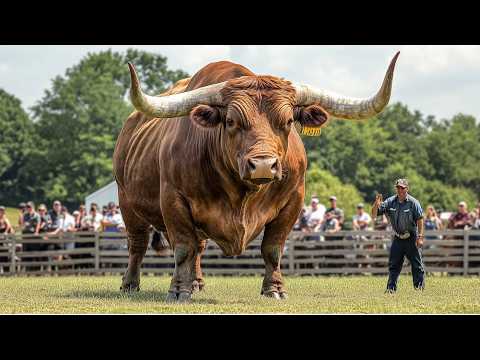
x,y
184,175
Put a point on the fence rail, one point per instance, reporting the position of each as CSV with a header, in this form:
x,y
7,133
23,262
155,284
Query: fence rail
x,y
345,252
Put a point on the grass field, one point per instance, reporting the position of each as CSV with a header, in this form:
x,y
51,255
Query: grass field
x,y
239,295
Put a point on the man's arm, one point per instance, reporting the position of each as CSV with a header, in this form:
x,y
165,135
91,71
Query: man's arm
x,y
376,205
421,234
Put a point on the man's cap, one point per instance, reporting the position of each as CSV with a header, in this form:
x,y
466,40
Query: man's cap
x,y
2,207
315,200
333,197
22,205
76,212
360,206
111,204
31,204
42,207
401,182
56,202
462,203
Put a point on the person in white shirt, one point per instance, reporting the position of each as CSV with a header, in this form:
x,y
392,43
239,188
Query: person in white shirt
x,y
316,214
93,221
361,220
113,221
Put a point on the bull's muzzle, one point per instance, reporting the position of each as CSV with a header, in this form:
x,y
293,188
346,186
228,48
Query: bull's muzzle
x,y
262,170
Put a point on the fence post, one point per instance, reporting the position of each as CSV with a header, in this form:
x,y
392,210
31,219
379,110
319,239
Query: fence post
x,y
291,254
466,238
13,254
97,252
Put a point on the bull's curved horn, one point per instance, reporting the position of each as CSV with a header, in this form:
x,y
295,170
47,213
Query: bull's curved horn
x,y
345,107
172,105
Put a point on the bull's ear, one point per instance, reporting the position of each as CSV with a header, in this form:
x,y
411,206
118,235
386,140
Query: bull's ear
x,y
205,116
311,116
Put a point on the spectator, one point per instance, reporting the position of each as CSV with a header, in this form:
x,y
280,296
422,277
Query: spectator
x,y
22,208
461,219
381,223
77,220
92,222
475,217
31,220
330,224
432,221
337,212
302,221
361,220
5,226
316,214
112,221
475,220
45,220
104,210
55,217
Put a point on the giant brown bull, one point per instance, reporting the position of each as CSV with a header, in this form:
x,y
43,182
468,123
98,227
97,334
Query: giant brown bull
x,y
217,158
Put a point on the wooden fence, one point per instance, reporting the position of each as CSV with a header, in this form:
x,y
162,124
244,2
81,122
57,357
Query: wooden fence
x,y
345,252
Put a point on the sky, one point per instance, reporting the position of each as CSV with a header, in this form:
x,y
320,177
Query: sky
x,y
433,79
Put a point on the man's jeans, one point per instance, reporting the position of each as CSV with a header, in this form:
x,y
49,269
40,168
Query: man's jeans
x,y
398,251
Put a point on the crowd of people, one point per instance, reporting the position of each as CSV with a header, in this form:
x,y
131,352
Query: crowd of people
x,y
40,220
318,218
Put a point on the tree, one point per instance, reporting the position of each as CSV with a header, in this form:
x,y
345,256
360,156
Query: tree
x,y
78,121
15,145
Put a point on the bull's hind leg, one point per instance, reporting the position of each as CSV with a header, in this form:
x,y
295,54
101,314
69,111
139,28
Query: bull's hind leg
x,y
198,282
138,236
273,243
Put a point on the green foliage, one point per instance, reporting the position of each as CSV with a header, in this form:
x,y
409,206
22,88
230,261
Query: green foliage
x,y
16,131
78,121
323,184
441,159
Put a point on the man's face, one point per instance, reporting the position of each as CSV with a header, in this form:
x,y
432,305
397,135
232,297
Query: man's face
x,y
462,208
30,208
41,211
314,205
401,191
333,203
359,211
57,207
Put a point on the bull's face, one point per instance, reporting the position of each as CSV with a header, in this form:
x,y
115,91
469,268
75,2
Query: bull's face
x,y
256,123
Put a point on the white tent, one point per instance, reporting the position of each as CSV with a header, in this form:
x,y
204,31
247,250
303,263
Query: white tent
x,y
103,196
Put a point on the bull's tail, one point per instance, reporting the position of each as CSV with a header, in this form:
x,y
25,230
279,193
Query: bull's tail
x,y
159,243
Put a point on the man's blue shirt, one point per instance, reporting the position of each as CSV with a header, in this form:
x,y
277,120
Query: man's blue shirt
x,y
403,216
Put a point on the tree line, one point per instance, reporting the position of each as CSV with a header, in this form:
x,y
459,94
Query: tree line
x,y
63,149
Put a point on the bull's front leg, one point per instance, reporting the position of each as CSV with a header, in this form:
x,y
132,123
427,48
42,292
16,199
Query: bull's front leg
x,y
186,247
275,236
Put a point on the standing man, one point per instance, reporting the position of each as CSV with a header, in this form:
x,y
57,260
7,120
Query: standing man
x,y
406,217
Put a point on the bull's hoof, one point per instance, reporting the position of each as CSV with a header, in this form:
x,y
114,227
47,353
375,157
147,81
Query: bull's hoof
x,y
184,297
129,288
171,297
283,295
271,294
197,286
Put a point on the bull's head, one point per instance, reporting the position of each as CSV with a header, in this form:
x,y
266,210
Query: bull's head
x,y
257,114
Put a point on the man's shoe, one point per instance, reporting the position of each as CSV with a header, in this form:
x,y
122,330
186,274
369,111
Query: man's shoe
x,y
390,291
419,288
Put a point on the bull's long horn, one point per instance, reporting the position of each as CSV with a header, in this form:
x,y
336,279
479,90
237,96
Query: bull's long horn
x,y
172,105
345,107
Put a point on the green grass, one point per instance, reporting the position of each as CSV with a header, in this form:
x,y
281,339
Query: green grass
x,y
361,294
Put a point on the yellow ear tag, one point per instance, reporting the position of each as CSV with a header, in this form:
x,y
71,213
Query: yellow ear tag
x,y
307,131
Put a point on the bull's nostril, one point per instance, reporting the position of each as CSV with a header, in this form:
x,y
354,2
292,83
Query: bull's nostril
x,y
275,166
251,165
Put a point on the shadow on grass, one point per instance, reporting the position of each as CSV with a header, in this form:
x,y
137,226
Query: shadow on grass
x,y
140,296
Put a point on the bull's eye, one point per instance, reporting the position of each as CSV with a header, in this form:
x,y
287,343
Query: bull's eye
x,y
288,125
230,122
